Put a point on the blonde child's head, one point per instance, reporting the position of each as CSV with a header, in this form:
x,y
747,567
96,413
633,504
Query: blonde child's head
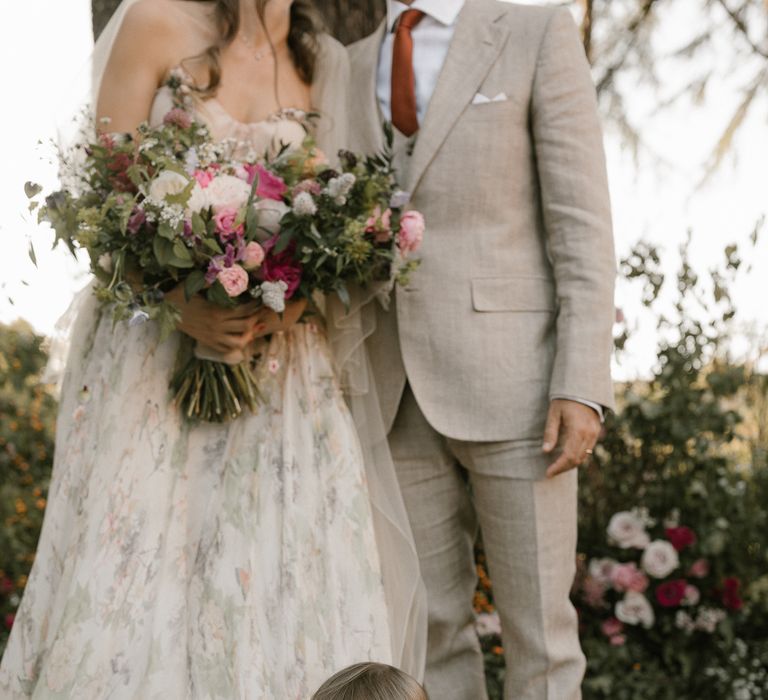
x,y
370,681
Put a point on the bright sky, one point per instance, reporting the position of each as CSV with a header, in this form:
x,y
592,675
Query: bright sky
x,y
44,44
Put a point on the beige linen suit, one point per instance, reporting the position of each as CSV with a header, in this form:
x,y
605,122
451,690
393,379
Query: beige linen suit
x,y
512,305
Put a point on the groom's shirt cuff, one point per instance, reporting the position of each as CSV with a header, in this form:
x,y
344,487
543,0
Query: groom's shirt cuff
x,y
594,406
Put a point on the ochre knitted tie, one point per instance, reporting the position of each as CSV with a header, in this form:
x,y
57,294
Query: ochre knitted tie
x,y
404,114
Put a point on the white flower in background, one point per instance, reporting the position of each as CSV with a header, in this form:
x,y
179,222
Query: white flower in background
x,y
198,200
228,192
273,295
105,262
684,621
709,618
270,214
660,559
304,205
645,516
488,624
167,183
627,530
601,569
635,610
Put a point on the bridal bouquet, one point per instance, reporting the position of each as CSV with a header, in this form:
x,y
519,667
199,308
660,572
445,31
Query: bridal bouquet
x,y
172,208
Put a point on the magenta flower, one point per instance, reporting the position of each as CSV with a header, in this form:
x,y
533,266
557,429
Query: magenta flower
x,y
203,177
136,221
281,267
681,537
270,186
670,594
730,594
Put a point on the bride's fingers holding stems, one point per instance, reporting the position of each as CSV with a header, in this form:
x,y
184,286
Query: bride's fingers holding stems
x,y
268,322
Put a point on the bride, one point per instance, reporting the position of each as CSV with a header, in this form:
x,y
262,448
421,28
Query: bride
x,y
247,560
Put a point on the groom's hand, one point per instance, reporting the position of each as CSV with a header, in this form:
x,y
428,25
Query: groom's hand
x,y
573,426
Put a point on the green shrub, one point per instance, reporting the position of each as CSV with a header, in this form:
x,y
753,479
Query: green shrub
x,y
27,415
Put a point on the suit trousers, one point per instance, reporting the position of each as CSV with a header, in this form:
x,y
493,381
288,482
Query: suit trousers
x,y
528,525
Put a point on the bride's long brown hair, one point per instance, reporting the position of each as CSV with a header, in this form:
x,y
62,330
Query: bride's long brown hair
x,y
303,43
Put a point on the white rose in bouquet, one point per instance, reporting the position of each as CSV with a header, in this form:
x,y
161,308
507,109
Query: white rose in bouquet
x,y
635,610
198,200
227,192
167,183
660,559
270,214
627,530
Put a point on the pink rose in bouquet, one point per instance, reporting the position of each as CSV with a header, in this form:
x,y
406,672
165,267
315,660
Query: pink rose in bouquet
x,y
412,227
270,186
252,256
178,117
203,177
234,280
226,226
380,225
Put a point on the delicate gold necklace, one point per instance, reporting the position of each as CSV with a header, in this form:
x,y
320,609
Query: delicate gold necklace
x,y
258,54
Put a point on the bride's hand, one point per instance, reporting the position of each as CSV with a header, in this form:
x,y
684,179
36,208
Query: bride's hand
x,y
267,321
224,330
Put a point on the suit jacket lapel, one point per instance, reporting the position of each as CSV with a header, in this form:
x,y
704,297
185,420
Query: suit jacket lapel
x,y
365,100
476,44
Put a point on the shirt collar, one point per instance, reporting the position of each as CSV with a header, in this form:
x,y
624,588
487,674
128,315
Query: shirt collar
x,y
444,11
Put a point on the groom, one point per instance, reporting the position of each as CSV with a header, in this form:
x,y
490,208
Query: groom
x,y
493,365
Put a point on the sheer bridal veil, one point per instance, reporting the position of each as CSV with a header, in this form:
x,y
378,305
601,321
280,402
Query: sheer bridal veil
x,y
347,330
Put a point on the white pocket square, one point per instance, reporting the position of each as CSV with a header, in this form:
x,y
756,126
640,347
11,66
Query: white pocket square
x,y
480,99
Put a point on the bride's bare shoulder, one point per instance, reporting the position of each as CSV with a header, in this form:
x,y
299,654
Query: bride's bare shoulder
x,y
148,20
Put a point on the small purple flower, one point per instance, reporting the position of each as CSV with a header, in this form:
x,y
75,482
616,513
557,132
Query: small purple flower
x,y
189,236
214,268
399,199
136,220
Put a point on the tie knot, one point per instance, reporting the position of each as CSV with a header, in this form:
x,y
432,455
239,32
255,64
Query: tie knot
x,y
409,19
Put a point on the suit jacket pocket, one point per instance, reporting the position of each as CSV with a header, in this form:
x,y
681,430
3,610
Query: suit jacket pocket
x,y
513,294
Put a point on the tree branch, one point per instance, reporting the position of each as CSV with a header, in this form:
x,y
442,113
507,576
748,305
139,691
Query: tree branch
x,y
742,28
631,29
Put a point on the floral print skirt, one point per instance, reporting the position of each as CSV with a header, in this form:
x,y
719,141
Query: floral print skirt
x,y
199,561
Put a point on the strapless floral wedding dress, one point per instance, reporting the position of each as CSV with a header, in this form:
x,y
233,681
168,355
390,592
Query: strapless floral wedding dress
x,y
206,561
